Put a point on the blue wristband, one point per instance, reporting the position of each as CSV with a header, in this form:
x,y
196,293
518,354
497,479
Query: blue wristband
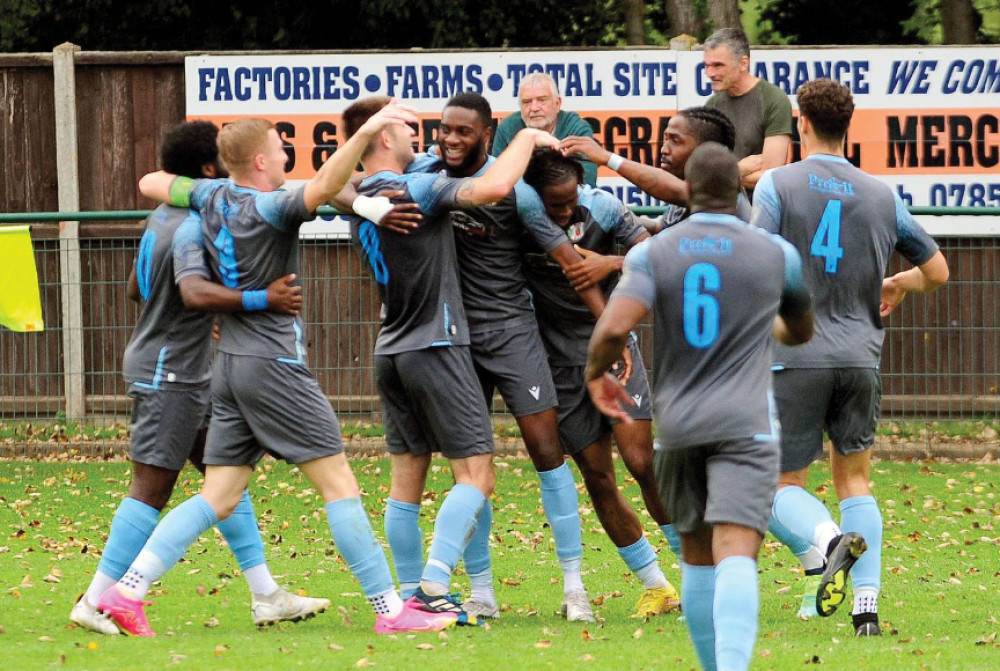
x,y
255,300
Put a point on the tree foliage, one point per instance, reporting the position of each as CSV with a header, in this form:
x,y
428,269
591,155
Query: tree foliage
x,y
39,25
841,22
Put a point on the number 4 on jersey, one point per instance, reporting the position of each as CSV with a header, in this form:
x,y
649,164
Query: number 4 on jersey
x,y
826,242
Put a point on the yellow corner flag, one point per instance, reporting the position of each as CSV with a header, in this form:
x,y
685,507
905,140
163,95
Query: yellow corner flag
x,y
20,306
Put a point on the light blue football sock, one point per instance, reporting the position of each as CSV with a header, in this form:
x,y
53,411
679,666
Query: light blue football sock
x,y
638,555
561,504
673,539
477,553
861,514
800,513
698,603
478,559
243,535
402,530
133,523
453,528
737,605
356,542
176,532
794,542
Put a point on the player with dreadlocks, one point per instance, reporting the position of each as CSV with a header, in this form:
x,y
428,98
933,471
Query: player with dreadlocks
x,y
686,131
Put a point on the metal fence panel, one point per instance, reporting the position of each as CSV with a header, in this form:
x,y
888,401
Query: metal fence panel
x,y
940,361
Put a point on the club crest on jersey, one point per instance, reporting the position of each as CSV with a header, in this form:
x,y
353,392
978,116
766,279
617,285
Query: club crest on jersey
x,y
463,221
575,231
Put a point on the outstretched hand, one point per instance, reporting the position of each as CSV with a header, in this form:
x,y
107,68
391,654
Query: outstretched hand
x,y
610,397
585,146
394,113
545,140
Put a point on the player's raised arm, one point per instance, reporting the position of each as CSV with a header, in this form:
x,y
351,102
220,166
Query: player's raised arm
x,y
503,174
157,186
654,181
335,173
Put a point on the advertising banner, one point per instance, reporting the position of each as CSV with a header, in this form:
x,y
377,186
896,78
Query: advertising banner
x,y
927,120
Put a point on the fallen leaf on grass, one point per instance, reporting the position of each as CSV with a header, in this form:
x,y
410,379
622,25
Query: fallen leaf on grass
x,y
219,649
544,643
987,640
425,646
212,622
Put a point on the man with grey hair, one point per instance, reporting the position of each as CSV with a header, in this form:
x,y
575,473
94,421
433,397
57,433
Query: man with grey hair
x,y
541,108
760,110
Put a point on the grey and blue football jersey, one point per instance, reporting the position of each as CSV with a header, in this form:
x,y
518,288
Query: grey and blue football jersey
x,y
252,239
845,224
487,239
675,214
416,274
714,286
599,223
171,345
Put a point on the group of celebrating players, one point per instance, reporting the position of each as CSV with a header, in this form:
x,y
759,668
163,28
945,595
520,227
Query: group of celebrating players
x,y
499,274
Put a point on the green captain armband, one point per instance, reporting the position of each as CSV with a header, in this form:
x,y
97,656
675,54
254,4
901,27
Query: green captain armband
x,y
180,192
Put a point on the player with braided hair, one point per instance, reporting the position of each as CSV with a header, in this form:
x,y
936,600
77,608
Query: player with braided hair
x,y
596,222
687,130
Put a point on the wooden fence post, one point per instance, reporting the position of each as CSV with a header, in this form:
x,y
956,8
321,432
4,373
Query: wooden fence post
x,y
70,275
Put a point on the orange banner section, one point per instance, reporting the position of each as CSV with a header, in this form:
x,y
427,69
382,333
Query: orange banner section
x,y
926,142
882,142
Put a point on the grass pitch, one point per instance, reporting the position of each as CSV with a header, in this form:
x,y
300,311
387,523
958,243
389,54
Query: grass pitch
x,y
939,608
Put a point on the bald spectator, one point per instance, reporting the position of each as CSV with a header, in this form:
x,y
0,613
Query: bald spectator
x,y
760,110
541,108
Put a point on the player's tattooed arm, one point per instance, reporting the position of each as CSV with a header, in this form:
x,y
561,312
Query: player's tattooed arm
x,y
503,174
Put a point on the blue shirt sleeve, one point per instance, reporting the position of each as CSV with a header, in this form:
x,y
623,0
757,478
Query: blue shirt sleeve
x,y
188,249
203,190
912,241
531,210
637,277
285,210
427,162
766,211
